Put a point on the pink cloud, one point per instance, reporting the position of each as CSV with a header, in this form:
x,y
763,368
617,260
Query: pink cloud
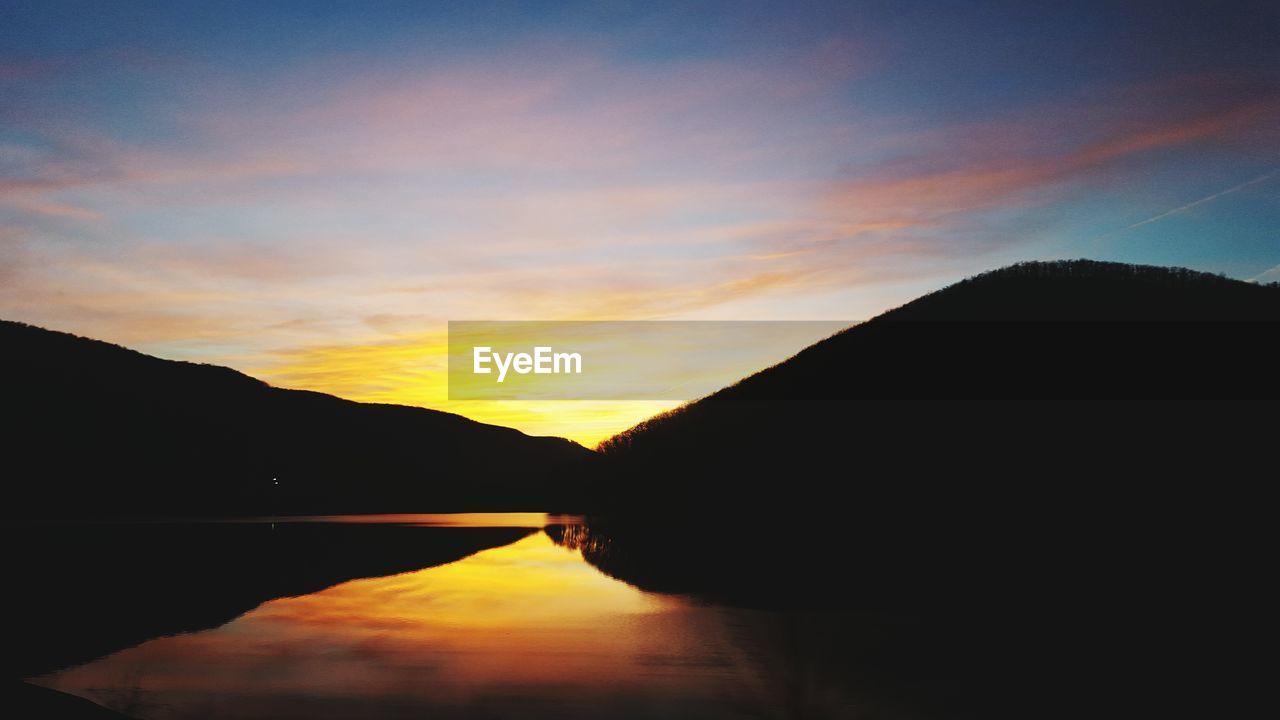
x,y
562,187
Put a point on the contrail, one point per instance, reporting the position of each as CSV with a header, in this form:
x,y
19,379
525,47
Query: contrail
x,y
1266,275
1201,201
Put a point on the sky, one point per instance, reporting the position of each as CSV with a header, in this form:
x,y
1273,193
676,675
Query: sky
x,y
308,192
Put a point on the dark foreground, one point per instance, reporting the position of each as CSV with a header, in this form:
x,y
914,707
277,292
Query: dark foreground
x,y
788,614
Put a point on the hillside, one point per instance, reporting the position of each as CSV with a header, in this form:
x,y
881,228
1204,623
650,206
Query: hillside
x,y
99,429
1051,469
1038,367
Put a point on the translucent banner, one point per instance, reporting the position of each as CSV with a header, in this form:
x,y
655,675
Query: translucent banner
x,y
617,360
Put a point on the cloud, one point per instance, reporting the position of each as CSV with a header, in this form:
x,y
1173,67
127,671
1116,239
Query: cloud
x,y
352,185
50,208
316,224
997,175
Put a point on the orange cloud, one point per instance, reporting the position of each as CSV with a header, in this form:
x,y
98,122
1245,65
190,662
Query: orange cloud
x,y
998,176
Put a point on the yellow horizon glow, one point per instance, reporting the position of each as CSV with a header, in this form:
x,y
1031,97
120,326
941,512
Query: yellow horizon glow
x,y
412,370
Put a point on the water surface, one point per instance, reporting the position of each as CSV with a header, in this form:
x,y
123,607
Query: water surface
x,y
525,629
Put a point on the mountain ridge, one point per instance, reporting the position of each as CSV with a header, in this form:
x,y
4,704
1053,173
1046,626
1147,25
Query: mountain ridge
x,y
1234,308
9,325
916,422
88,409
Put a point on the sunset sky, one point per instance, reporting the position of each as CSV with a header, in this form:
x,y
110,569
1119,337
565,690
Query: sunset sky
x,y
308,195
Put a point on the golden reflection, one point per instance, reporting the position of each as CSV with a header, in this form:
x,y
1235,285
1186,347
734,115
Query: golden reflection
x,y
528,622
461,519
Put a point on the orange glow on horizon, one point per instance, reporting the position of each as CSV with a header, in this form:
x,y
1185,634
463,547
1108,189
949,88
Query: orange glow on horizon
x,y
412,370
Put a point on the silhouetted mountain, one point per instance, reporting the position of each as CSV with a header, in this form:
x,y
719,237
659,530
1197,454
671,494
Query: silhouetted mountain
x,y
99,429
941,445
915,387
1045,468
1089,290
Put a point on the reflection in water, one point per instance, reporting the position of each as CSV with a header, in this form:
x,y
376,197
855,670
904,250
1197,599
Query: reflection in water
x,y
525,630
90,590
471,519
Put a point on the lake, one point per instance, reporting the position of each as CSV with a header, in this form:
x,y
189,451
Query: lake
x,y
467,615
